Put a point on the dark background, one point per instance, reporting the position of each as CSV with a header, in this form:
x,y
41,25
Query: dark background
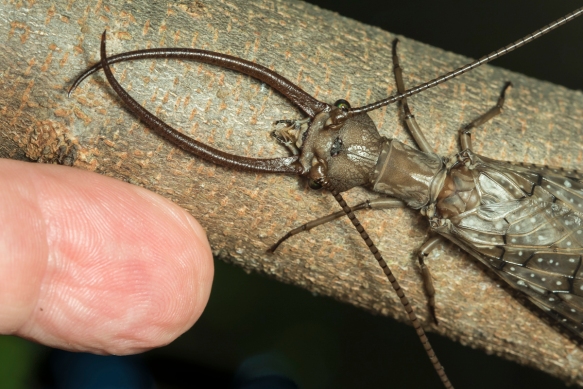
x,y
326,344
476,28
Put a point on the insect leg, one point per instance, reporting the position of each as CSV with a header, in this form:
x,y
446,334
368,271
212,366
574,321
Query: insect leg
x,y
466,131
424,251
395,284
382,203
412,125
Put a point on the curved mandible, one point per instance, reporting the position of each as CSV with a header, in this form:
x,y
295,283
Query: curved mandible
x,y
287,165
308,104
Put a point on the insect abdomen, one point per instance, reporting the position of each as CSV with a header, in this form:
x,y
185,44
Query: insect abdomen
x,y
527,227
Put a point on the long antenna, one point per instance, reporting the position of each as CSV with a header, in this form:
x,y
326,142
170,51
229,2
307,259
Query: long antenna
x,y
487,58
396,287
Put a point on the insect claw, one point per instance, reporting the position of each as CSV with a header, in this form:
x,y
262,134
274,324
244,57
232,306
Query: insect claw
x,y
276,244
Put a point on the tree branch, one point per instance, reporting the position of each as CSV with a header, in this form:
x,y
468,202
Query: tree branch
x,y
329,56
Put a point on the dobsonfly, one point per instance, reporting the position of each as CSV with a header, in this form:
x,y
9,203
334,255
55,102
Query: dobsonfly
x,y
523,222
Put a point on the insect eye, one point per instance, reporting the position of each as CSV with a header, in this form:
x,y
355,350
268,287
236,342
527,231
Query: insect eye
x,y
314,185
342,104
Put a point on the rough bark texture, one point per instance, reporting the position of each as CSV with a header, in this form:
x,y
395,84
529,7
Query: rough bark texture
x,y
45,45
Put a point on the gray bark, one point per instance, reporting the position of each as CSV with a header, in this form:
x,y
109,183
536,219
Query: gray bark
x,y
45,46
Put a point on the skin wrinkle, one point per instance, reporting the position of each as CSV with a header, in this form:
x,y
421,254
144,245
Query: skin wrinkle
x,y
187,222
126,270
14,298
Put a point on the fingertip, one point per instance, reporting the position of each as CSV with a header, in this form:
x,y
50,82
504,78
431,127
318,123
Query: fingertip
x,y
120,269
186,281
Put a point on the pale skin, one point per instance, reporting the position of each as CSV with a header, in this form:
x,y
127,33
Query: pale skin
x,y
90,263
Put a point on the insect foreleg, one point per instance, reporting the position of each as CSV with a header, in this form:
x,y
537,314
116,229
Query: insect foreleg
x,y
381,203
412,125
465,132
423,252
424,146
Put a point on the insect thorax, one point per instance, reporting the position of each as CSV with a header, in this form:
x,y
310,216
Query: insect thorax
x,y
409,174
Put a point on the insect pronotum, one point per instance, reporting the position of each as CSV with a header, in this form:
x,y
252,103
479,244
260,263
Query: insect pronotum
x,y
504,215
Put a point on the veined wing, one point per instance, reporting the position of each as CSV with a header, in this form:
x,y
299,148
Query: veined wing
x,y
546,170
528,228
